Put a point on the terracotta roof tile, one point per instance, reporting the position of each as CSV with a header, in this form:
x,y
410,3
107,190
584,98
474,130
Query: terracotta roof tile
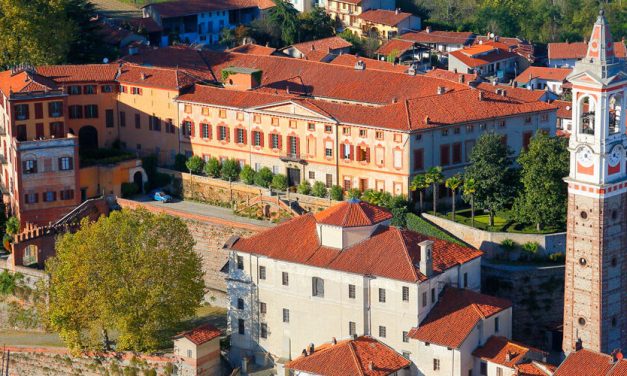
x,y
172,79
517,93
534,368
325,44
348,60
455,315
201,334
384,17
79,73
353,213
316,55
179,8
496,349
481,54
253,49
549,74
390,252
564,109
23,82
351,357
585,363
578,50
439,37
399,46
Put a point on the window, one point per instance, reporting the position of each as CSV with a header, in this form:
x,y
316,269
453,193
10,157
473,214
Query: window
x,y
436,364
351,291
329,180
264,330
457,153
240,134
275,121
445,154
240,303
398,159
527,119
433,295
154,123
91,111
382,331
444,132
240,262
50,196
29,166
328,149
457,130
286,315
496,324
378,135
206,130
257,138
293,124
65,163
67,194
470,128
138,121
31,198
122,119
352,328
263,308
137,91
424,299
188,128
109,118
240,326
405,337
406,354
262,272
317,286
21,132
405,293
311,126
169,126
223,133
328,129
89,89
312,174
381,295
419,159
257,119
55,109
21,111
285,279
74,90
465,280
363,133
346,131
274,141
483,370
106,88
526,139
501,123
222,114
187,109
499,371
205,111
56,129
239,116
76,112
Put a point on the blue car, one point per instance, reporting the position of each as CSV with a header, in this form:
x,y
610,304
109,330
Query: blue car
x,y
161,196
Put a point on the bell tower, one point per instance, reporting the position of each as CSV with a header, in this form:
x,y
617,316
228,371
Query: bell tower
x,y
595,296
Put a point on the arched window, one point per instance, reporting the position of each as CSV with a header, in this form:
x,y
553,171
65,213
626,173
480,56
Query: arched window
x,y
616,109
586,115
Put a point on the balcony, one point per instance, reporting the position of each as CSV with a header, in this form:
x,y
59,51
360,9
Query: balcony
x,y
292,157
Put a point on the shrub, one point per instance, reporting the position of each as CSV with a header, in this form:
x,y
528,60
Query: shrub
x,y
129,189
557,257
399,218
336,193
353,193
508,245
247,175
12,225
195,165
212,168
179,163
279,182
319,189
531,247
263,177
230,170
304,187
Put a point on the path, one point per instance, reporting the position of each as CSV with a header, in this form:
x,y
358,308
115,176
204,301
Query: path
x,y
12,337
116,9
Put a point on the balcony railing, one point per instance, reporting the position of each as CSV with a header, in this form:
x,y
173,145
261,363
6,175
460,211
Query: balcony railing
x,y
292,157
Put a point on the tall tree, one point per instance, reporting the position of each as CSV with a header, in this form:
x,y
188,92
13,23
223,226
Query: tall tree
x,y
419,183
453,183
316,24
434,177
86,44
133,274
284,17
543,197
490,168
468,191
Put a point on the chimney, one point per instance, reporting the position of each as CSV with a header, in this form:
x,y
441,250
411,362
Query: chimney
x,y
397,11
493,82
360,65
508,356
426,257
617,356
143,76
313,47
311,348
480,95
441,90
578,344
428,29
334,341
455,70
462,78
394,100
427,120
304,353
371,365
503,93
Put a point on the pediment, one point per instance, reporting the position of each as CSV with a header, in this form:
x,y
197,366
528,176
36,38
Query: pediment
x,y
295,109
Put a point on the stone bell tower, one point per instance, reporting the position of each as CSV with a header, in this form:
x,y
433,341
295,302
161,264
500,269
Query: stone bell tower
x,y
595,296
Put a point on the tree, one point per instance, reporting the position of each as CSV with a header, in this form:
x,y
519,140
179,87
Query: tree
x,y
263,177
419,183
227,37
433,177
86,45
284,17
195,165
179,162
279,182
453,183
490,168
247,175
230,170
469,190
374,197
543,197
319,189
133,273
316,24
304,188
213,167
336,193
353,193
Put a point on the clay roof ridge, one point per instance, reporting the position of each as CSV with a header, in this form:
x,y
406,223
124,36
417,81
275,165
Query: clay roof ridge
x,y
351,346
406,252
208,66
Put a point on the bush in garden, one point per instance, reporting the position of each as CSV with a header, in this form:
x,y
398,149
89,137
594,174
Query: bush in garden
x,y
263,177
247,175
319,189
213,167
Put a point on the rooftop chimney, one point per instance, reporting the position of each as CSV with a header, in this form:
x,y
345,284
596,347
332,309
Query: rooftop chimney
x,y
503,93
334,341
617,356
480,95
426,257
508,356
371,365
360,65
304,353
397,11
441,90
462,78
428,29
427,119
143,76
311,348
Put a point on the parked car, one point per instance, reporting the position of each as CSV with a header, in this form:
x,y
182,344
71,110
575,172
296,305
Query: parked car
x,y
161,196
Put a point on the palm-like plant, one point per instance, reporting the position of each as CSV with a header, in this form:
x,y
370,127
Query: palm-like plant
x,y
419,183
434,177
469,189
453,183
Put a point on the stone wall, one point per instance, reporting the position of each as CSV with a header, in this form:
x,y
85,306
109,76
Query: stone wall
x,y
490,242
210,234
537,294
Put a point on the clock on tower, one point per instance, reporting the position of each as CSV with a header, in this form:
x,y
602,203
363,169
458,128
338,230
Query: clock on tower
x,y
595,295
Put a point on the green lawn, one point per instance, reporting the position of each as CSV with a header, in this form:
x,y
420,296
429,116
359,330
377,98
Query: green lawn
x,y
503,222
419,224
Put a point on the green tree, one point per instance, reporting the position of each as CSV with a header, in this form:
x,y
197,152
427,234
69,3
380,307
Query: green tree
x,y
279,182
230,170
453,183
263,177
12,226
304,188
134,274
543,197
195,165
86,45
213,167
433,177
319,189
316,24
336,193
227,37
419,183
469,189
490,168
353,193
247,175
284,17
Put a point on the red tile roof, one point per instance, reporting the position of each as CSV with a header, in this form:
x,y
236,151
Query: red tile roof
x,y
452,76
398,46
316,55
544,73
147,24
361,356
384,17
578,50
179,8
496,349
481,54
518,46
79,73
564,109
455,315
23,82
172,79
585,363
253,49
350,60
325,44
521,94
438,37
353,213
201,334
534,368
389,253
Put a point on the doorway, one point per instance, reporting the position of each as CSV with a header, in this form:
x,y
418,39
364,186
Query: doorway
x,y
139,181
293,176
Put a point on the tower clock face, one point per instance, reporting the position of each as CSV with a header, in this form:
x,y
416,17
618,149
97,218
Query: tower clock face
x,y
584,157
615,155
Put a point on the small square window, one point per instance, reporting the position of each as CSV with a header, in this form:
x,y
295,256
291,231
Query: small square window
x,y
311,126
262,272
398,138
275,121
346,131
205,111
379,135
240,116
240,262
257,119
293,124
328,129
312,174
444,132
405,337
352,328
456,130
363,133
263,308
222,114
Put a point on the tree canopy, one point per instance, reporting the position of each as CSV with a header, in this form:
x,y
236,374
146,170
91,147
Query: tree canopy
x,y
133,274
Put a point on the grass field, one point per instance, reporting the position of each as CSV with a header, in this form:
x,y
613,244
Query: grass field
x,y
503,222
418,224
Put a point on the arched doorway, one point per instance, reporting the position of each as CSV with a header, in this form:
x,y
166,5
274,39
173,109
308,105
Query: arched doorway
x,y
88,138
139,180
